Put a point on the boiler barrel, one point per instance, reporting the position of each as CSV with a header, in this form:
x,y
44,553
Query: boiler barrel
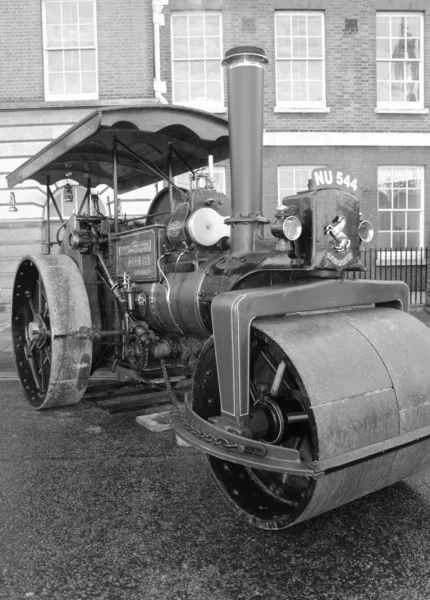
x,y
364,377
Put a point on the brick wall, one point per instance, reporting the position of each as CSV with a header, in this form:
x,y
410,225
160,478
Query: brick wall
x,y
125,50
350,60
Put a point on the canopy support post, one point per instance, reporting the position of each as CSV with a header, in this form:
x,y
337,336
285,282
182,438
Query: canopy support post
x,y
48,213
169,167
115,182
85,198
49,196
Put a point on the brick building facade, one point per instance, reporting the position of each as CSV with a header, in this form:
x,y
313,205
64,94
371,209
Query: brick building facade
x,y
347,86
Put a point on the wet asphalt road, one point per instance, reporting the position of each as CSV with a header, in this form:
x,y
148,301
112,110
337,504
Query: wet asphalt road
x,y
93,506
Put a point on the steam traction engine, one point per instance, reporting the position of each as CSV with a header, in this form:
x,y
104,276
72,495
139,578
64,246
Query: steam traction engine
x,y
307,390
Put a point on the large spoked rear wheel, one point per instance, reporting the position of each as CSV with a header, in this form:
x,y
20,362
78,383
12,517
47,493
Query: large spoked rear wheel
x,y
267,499
49,303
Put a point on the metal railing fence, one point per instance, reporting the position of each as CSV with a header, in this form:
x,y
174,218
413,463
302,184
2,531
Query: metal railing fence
x,y
393,264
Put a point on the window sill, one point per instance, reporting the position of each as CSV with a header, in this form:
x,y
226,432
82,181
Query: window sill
x,y
282,109
402,111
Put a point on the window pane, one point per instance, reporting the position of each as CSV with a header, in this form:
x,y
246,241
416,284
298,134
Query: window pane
x,y
397,71
86,35
397,92
53,13
71,60
284,47
384,240
413,27
399,221
314,25
182,93
412,91
414,221
86,12
179,25
399,199
315,70
53,36
70,12
195,23
398,48
299,69
412,48
385,220
413,71
414,199
383,91
180,47
213,47
299,91
398,239
397,26
181,71
212,25
385,198
89,82
315,92
299,47
198,91
55,60
213,71
197,47
315,47
88,60
72,83
383,48
284,92
283,25
413,239
70,36
197,70
383,26
298,24
214,93
55,83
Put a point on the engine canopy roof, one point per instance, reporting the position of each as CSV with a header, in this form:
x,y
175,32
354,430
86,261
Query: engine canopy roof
x,y
85,150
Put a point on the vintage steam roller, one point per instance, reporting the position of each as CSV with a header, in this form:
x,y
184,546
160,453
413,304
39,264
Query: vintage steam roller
x,y
306,389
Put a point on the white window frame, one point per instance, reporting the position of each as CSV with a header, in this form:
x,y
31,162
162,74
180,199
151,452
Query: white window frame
x,y
406,210
295,188
294,105
210,106
46,50
393,106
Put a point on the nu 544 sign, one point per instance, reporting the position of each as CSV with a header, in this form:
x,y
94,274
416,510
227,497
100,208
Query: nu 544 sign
x,y
331,178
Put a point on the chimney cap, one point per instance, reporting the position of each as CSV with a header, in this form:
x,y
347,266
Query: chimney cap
x,y
244,50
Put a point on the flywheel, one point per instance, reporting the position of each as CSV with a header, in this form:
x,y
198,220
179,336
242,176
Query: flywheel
x,y
49,306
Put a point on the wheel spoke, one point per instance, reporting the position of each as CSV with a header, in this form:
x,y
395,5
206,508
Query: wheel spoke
x,y
41,370
48,358
279,375
30,302
273,367
39,294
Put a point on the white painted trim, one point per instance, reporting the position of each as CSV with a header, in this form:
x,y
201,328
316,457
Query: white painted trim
x,y
402,111
344,138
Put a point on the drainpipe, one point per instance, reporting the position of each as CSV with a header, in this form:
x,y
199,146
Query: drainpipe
x,y
158,20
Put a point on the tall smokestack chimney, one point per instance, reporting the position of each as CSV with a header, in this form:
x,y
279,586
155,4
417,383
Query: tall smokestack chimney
x,y
245,85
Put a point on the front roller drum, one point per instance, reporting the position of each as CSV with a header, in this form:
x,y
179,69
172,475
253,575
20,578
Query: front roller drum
x,y
334,387
49,306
